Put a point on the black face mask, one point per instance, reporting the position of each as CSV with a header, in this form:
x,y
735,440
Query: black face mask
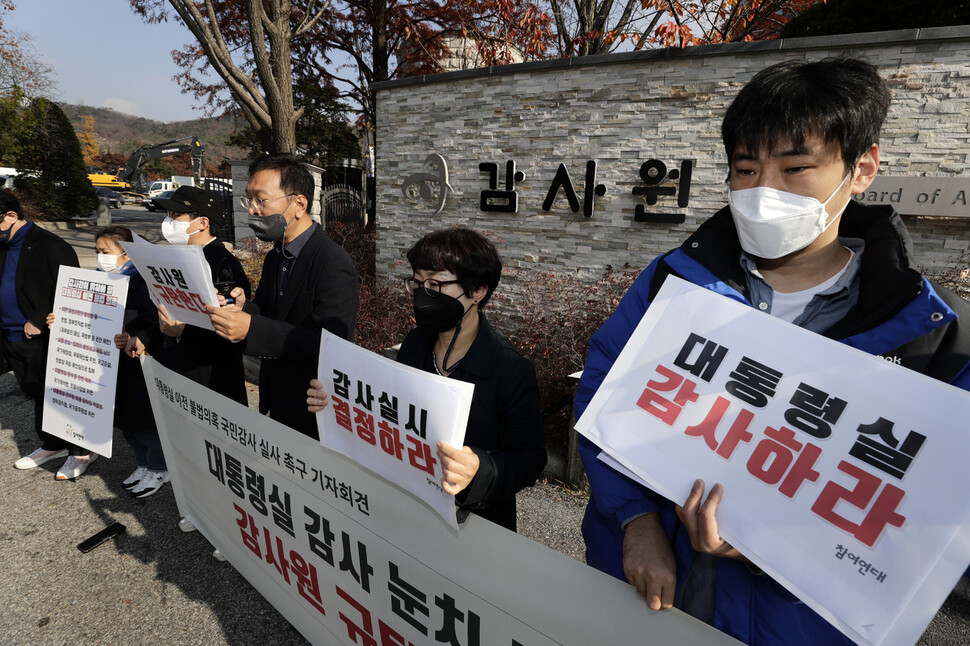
x,y
268,228
437,313
5,236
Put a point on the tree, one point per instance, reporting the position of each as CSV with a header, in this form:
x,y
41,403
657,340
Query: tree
x,y
89,140
110,162
587,27
367,33
854,16
323,132
56,182
384,39
248,44
20,65
10,116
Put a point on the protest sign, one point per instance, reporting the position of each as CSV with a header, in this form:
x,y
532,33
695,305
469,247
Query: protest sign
x,y
844,475
178,277
389,417
82,360
348,558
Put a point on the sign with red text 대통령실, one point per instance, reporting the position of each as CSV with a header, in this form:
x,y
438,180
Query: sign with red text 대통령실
x,y
844,475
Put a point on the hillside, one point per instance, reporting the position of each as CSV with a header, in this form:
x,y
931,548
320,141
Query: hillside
x,y
122,133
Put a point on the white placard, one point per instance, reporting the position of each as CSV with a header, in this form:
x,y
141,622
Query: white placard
x,y
178,277
82,360
792,424
350,559
389,417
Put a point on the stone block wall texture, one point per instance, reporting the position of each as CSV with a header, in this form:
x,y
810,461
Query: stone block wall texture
x,y
623,109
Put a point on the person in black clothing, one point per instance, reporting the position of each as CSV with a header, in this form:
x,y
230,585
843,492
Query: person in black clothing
x,y
308,283
140,334
202,355
30,258
454,272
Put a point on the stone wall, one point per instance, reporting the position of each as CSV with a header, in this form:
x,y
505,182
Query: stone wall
x,y
621,110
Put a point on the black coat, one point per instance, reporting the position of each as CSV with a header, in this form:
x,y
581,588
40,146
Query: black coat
x,y
202,355
41,257
504,423
321,293
133,408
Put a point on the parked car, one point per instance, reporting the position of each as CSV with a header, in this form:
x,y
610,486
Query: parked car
x,y
115,199
149,203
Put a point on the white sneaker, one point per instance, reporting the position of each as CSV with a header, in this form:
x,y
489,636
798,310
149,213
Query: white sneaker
x,y
217,555
150,484
37,458
75,466
132,481
186,525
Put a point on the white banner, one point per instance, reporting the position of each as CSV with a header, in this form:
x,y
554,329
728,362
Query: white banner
x,y
349,559
82,360
389,417
844,475
178,277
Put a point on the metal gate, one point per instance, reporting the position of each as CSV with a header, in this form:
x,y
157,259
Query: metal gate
x,y
223,188
343,203
342,197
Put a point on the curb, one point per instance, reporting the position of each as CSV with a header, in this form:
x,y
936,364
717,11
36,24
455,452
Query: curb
x,y
62,225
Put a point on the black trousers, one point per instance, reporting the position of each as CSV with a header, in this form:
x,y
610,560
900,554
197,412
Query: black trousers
x,y
28,360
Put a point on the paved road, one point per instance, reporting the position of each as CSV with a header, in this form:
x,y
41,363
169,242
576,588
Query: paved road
x,y
81,236
155,584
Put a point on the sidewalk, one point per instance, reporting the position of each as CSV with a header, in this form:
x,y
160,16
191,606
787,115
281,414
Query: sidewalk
x,y
155,584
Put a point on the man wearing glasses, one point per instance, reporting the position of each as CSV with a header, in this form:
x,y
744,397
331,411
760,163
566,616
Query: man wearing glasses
x,y
308,283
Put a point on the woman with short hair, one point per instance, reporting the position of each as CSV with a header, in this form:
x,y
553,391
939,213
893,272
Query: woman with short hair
x,y
454,273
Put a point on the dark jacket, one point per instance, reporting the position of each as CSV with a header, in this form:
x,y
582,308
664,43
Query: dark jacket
x,y
321,293
133,408
898,313
41,257
202,355
504,423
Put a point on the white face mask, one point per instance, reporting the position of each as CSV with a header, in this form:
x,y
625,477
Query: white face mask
x,y
108,263
177,233
773,223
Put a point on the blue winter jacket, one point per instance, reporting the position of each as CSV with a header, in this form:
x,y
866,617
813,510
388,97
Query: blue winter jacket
x,y
899,315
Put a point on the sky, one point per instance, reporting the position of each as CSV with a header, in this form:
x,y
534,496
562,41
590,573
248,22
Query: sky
x,y
105,56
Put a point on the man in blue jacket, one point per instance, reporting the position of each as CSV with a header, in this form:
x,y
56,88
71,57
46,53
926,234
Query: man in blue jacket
x,y
801,139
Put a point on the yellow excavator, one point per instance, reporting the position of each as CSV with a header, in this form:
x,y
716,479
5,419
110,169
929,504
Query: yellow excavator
x,y
131,178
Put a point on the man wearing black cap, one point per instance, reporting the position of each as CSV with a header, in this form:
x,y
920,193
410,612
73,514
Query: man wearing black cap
x,y
202,355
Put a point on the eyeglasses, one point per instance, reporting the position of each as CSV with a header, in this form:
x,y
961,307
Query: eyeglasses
x,y
431,286
257,203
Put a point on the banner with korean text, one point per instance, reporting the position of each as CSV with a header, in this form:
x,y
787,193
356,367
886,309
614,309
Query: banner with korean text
x,y
178,277
82,360
348,558
844,475
389,417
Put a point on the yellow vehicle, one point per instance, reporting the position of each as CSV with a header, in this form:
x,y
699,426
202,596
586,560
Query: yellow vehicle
x,y
108,180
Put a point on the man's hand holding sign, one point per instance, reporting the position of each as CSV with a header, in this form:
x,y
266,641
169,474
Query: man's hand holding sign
x,y
458,466
831,477
228,319
796,503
